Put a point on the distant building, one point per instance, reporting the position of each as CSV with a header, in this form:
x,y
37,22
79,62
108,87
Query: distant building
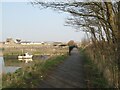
x,y
25,42
18,41
31,43
60,44
57,43
9,41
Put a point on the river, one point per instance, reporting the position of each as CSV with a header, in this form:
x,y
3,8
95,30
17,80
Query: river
x,y
1,64
11,65
6,69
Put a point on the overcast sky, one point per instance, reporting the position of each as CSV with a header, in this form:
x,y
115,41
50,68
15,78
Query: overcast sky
x,y
22,20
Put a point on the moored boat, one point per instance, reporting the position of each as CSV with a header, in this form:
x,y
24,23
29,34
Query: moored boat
x,y
26,55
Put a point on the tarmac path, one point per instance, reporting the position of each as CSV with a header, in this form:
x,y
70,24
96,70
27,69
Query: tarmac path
x,y
69,74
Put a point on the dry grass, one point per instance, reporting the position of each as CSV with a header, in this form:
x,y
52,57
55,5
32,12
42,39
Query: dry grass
x,y
104,56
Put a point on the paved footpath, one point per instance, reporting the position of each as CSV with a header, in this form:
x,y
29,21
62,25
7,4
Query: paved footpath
x,y
69,74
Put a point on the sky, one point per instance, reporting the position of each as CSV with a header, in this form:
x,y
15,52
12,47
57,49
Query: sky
x,y
20,20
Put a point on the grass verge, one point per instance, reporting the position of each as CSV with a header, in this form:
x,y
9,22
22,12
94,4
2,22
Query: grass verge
x,y
94,77
30,77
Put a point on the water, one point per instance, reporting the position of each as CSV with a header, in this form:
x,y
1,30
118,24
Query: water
x,y
11,65
1,64
6,69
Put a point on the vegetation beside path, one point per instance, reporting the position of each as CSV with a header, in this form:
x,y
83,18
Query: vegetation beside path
x,y
29,77
94,77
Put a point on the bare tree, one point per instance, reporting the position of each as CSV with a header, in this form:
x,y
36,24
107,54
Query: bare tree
x,y
101,20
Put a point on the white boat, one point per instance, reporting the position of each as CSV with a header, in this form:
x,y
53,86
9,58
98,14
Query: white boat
x,y
26,55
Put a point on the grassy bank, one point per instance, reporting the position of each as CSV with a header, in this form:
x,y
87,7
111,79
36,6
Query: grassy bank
x,y
94,77
29,77
33,49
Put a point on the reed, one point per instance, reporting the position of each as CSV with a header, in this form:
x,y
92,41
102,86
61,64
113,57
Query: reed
x,y
94,77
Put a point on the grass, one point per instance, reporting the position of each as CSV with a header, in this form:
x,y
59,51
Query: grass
x,y
35,50
94,77
29,77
